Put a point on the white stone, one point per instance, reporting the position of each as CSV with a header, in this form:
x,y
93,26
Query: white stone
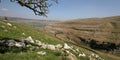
x,y
79,55
66,46
20,44
23,33
28,45
96,56
9,24
92,54
41,53
38,42
51,47
68,51
83,55
11,42
29,39
58,46
44,46
77,50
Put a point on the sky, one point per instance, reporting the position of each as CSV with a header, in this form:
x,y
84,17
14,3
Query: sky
x,y
65,9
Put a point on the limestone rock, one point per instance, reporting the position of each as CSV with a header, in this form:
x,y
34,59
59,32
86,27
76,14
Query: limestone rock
x,y
44,46
51,47
29,39
9,24
20,44
83,55
39,43
11,42
23,33
41,53
58,46
66,46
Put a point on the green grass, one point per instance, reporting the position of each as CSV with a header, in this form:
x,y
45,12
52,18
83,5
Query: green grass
x,y
83,58
16,33
29,56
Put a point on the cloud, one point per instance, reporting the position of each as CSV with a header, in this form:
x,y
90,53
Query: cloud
x,y
4,9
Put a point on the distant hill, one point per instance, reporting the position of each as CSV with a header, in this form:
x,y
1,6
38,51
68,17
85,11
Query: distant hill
x,y
32,22
96,33
101,29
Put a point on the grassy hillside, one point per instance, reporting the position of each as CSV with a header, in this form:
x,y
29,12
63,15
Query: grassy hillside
x,y
101,29
19,31
84,31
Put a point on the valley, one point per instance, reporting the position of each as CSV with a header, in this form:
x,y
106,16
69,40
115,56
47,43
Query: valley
x,y
80,39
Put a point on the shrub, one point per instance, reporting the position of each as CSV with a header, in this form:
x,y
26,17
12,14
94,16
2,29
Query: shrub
x,y
58,53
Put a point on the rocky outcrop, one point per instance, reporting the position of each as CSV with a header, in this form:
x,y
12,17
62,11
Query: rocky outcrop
x,y
66,51
11,43
29,40
41,53
66,46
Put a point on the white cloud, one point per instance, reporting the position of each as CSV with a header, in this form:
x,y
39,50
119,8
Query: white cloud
x,y
4,9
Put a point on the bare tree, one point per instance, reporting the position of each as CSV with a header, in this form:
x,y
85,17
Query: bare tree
x,y
39,7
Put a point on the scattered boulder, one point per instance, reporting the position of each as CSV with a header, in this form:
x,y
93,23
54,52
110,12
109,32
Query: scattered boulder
x,y
20,44
12,45
95,56
10,42
83,55
39,43
23,33
29,40
58,46
44,46
66,46
77,50
9,24
51,47
92,54
68,52
41,53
